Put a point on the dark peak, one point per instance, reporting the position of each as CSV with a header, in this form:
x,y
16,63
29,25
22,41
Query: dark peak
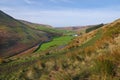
x,y
3,15
1,11
6,19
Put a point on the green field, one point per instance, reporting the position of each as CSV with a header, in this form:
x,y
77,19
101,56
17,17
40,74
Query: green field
x,y
57,41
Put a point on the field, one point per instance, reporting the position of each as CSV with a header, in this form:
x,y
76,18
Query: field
x,y
57,41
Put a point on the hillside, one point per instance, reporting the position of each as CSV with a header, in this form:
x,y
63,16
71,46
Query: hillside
x,y
91,28
92,56
16,37
77,29
34,25
81,29
46,28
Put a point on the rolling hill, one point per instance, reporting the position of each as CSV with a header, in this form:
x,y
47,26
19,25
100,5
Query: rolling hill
x,y
49,29
16,36
81,29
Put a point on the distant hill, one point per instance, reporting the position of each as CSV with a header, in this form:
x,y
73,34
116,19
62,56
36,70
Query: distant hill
x,y
48,28
81,29
34,25
91,28
16,36
41,27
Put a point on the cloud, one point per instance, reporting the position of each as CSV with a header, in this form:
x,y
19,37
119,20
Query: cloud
x,y
29,1
68,17
57,1
6,9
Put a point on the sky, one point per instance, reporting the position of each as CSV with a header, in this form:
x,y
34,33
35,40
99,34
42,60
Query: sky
x,y
60,13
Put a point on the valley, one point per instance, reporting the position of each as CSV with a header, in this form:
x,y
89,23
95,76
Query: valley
x,y
31,51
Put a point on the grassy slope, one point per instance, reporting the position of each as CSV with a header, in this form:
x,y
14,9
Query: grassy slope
x,y
90,42
93,56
